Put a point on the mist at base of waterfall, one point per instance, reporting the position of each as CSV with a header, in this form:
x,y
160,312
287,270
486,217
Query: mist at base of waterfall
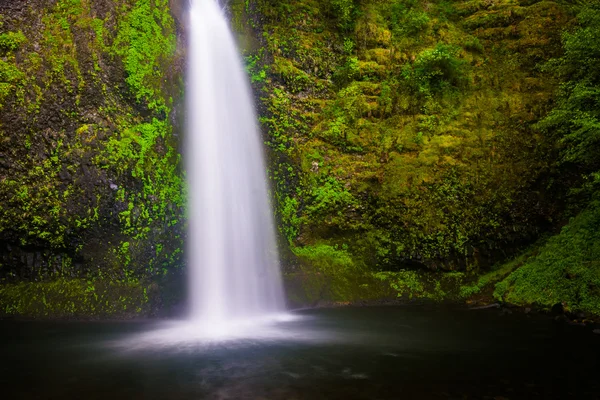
x,y
186,335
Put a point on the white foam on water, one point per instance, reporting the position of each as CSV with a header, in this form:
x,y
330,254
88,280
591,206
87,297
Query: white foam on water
x,y
198,335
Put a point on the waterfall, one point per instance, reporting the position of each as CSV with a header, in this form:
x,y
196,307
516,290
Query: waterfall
x,y
232,259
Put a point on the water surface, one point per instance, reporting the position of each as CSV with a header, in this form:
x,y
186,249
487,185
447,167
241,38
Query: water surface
x,y
416,352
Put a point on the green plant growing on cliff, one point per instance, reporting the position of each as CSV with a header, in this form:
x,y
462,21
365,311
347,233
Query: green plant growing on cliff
x,y
436,70
420,154
330,201
290,221
342,116
345,12
327,259
11,41
145,38
10,75
255,69
575,120
68,298
407,19
566,270
404,282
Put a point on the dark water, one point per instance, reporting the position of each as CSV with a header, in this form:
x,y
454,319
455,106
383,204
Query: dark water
x,y
347,353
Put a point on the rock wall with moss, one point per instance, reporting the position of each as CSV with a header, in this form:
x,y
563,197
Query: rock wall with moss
x,y
90,171
433,149
414,146
404,132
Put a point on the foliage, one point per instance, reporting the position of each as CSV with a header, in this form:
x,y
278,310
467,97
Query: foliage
x,y
145,39
411,284
10,75
407,19
404,282
329,201
344,115
11,41
496,275
344,11
436,70
64,298
326,258
407,135
95,171
575,119
257,74
290,221
566,270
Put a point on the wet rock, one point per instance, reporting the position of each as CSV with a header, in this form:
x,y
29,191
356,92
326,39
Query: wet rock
x,y
561,318
558,308
505,311
64,175
495,305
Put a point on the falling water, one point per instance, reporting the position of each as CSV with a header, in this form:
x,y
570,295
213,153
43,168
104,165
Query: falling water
x,y
233,261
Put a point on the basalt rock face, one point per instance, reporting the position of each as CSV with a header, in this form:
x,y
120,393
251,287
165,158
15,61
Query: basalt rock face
x,y
90,178
403,132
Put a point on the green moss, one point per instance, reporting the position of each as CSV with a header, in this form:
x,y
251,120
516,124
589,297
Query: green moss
x,y
325,258
435,70
404,132
145,39
490,279
74,298
11,41
406,18
566,270
109,167
410,284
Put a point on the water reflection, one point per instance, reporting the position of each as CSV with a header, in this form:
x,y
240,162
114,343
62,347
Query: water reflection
x,y
348,353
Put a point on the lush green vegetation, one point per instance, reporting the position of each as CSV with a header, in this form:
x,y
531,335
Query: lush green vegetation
x,y
95,191
410,137
575,119
567,268
62,298
406,132
442,150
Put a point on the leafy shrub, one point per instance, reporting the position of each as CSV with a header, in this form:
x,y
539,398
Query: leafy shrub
x,y
344,11
406,19
473,44
567,269
11,41
256,72
436,70
326,258
576,117
330,199
404,282
343,115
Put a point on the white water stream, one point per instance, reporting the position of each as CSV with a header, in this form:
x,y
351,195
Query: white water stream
x,y
232,255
